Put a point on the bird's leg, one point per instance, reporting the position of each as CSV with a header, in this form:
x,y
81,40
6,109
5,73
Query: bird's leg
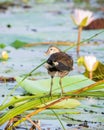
x,y
60,83
51,86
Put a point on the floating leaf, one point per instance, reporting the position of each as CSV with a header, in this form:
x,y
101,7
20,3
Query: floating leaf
x,y
68,103
18,44
43,86
2,45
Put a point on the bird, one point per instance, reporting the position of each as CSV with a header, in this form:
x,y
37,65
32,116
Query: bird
x,y
59,64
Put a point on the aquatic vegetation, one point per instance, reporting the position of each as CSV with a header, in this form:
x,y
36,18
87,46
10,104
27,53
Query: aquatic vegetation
x,y
94,69
2,45
81,18
4,56
74,86
90,62
43,101
28,100
18,44
95,24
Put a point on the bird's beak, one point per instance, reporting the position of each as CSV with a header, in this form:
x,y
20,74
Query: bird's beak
x,y
47,52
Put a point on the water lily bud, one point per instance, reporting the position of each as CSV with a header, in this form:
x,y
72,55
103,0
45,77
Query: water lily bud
x,y
81,17
90,63
4,55
80,61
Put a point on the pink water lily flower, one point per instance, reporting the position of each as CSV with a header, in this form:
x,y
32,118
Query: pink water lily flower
x,y
82,17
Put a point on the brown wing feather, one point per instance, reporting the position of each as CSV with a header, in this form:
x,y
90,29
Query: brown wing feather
x,y
62,58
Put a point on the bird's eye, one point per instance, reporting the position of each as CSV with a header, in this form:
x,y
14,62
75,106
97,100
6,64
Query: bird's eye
x,y
51,49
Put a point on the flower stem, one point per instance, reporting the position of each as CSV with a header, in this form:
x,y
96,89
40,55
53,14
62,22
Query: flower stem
x,y
90,74
78,40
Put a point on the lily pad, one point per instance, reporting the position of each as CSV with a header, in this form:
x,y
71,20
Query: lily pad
x,y
2,45
18,44
43,86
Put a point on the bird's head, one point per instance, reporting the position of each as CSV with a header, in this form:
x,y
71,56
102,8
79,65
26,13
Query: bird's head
x,y
51,50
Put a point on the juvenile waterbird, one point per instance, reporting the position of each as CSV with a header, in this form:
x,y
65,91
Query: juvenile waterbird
x,y
58,64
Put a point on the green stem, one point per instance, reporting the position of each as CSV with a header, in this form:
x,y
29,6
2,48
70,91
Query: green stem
x,y
90,74
86,40
58,119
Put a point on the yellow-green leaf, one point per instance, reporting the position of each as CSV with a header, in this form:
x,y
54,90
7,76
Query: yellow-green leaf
x,y
68,103
42,86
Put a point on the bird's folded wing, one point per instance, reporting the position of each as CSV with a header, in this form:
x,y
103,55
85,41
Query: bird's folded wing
x,y
61,67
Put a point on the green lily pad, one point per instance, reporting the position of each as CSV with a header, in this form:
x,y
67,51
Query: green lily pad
x,y
2,45
43,86
18,44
